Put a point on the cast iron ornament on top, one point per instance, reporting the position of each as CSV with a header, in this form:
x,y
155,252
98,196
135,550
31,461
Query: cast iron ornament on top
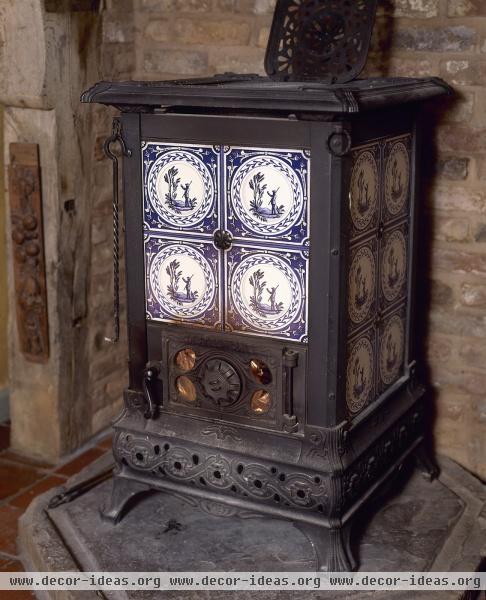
x,y
323,40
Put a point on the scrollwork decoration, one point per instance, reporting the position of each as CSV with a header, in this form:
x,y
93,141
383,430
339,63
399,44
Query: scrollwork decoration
x,y
225,474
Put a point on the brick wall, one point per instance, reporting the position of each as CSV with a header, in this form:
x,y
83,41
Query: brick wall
x,y
188,38
201,37
79,390
448,38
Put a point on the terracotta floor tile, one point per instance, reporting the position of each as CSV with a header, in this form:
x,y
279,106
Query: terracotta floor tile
x,y
10,564
9,516
107,443
4,437
16,476
25,498
20,595
82,461
25,460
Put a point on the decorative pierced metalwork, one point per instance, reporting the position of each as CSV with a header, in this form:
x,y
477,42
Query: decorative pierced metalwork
x,y
221,382
327,40
224,473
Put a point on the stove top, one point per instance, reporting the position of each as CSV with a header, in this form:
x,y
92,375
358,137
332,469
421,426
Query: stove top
x,y
232,91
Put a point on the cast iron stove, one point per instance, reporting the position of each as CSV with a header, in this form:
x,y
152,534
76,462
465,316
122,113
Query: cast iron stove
x,y
270,260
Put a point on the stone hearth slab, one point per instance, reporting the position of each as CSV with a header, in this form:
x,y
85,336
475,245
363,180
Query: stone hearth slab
x,y
438,526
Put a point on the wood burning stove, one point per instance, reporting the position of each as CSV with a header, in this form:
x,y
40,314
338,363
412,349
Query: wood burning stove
x,y
270,242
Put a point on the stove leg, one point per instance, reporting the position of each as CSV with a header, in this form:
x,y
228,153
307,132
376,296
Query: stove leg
x,y
332,547
426,463
123,491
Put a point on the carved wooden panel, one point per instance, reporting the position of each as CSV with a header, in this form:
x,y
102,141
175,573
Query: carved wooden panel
x,y
28,251
58,6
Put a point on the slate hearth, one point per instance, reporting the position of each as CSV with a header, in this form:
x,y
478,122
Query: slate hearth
x,y
437,526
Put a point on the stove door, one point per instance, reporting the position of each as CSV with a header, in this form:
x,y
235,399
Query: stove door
x,y
267,214
181,212
227,237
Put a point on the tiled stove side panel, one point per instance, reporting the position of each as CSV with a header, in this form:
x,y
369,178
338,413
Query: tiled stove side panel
x,y
378,267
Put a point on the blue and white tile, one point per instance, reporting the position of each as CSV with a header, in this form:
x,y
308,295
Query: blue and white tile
x,y
182,281
181,187
268,194
266,293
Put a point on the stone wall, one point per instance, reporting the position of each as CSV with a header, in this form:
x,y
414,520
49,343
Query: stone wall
x,y
184,38
3,285
58,406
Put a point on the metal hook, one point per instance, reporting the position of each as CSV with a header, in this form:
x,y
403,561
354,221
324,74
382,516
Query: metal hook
x,y
116,137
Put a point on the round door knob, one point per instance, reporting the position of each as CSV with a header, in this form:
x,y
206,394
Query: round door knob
x,y
223,240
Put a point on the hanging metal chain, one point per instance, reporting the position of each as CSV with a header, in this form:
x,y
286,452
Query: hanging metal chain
x,y
116,137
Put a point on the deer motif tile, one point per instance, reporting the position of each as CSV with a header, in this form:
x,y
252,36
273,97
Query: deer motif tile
x,y
182,281
267,193
181,187
266,293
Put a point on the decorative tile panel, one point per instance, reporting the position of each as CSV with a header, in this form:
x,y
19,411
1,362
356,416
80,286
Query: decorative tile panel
x,y
267,293
182,281
261,198
393,265
378,265
391,349
396,178
362,284
267,194
360,375
181,187
364,193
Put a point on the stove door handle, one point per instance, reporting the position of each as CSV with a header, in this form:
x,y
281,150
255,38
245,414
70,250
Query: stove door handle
x,y
150,375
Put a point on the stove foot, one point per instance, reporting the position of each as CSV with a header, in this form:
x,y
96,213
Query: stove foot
x,y
332,547
124,490
426,463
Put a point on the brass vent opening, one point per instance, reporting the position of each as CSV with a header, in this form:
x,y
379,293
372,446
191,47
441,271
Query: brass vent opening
x,y
260,372
186,389
261,402
185,360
